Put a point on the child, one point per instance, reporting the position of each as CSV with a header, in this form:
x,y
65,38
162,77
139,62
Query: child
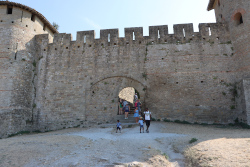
x,y
141,124
118,126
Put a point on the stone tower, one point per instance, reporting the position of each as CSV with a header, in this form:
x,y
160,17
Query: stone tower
x,y
18,26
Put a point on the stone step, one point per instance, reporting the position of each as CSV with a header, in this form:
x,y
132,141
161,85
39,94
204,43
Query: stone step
x,y
122,119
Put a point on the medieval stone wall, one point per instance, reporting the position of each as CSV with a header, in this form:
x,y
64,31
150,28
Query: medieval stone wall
x,y
17,69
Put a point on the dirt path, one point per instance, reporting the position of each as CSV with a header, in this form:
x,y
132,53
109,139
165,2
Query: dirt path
x,y
98,146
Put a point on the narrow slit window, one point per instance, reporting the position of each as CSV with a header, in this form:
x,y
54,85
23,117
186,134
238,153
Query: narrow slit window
x,y
33,17
108,37
133,35
44,27
84,39
9,9
159,36
209,31
183,30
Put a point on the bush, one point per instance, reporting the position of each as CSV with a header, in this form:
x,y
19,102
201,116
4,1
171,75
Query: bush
x,y
193,140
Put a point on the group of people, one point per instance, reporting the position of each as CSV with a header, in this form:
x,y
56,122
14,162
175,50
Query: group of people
x,y
147,119
124,107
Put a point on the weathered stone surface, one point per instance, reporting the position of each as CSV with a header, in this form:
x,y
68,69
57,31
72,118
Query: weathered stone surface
x,y
187,75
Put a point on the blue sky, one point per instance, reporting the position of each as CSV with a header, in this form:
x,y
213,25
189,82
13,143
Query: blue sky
x,y
81,15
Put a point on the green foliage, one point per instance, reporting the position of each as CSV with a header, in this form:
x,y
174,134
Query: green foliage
x,y
34,63
182,122
105,108
167,120
224,93
23,59
55,25
144,75
232,107
158,120
153,119
166,156
113,101
193,140
34,105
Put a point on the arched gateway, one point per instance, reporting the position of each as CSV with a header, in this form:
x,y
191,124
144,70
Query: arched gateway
x,y
101,98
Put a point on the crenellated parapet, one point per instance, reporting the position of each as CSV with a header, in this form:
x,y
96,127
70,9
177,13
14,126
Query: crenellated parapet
x,y
183,33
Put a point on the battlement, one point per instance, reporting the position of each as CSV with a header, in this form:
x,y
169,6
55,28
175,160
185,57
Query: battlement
x,y
183,33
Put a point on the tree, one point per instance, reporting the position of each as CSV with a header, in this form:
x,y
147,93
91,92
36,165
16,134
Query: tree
x,y
55,25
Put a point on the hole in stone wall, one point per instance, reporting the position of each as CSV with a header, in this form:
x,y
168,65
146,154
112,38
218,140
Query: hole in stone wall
x,y
115,44
139,42
108,37
177,82
1,20
166,41
84,39
26,25
159,36
209,31
133,35
34,29
55,48
89,45
32,17
9,9
102,44
184,32
204,38
238,18
44,49
67,47
201,81
12,22
127,43
78,46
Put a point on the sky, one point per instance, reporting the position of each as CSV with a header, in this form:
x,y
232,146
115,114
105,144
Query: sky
x,y
84,15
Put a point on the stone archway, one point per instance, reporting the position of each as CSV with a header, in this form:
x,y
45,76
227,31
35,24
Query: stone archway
x,y
102,98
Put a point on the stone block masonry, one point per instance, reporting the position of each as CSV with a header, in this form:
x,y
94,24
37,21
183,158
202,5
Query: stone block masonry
x,y
50,82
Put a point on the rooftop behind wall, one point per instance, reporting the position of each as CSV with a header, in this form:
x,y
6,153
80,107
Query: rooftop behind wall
x,y
183,33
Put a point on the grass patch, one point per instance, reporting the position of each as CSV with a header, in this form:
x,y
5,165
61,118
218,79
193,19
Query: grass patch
x,y
193,140
182,122
166,156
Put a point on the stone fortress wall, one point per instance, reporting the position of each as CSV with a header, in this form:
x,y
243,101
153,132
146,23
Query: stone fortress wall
x,y
190,76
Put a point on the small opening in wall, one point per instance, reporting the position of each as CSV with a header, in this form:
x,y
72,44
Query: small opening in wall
x,y
89,45
204,38
202,81
217,38
108,37
26,25
166,41
55,48
209,31
133,35
44,49
127,43
115,44
152,42
1,20
67,47
197,105
34,29
221,16
177,82
159,36
184,32
44,27
102,44
9,9
32,17
238,18
139,42
78,46
84,39
12,22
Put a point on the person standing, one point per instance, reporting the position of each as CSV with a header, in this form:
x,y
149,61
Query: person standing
x,y
136,115
147,118
139,105
126,110
141,124
135,97
120,106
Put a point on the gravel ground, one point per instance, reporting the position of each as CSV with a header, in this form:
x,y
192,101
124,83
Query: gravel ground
x,y
98,146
